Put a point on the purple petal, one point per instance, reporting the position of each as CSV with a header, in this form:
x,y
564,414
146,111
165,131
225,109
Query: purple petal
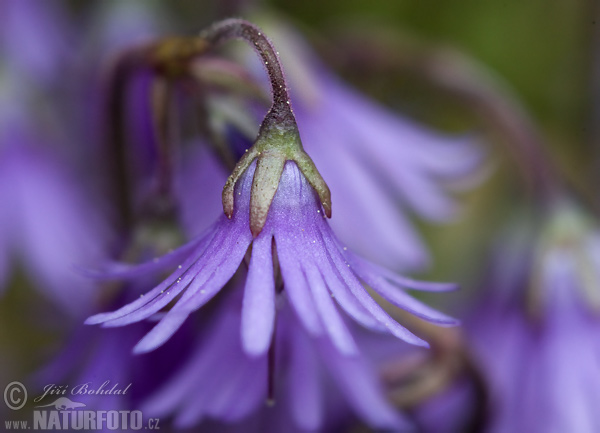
x,y
346,300
241,391
402,300
202,179
162,294
295,283
189,377
165,292
363,296
333,322
361,388
250,393
117,270
397,242
398,297
56,225
222,271
402,281
258,310
343,297
219,269
304,388
161,332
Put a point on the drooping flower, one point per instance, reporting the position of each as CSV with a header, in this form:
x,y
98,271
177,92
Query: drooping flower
x,y
54,219
315,269
536,332
48,223
397,166
96,366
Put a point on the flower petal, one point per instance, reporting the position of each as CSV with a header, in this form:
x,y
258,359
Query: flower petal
x,y
162,294
402,300
258,310
361,388
219,269
295,284
344,298
368,268
122,271
363,296
304,389
331,319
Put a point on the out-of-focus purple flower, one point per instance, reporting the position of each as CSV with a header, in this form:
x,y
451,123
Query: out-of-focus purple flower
x,y
96,368
314,266
199,184
537,331
35,38
114,27
315,387
49,224
378,165
54,220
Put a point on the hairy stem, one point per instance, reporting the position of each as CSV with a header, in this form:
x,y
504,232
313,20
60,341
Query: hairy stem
x,y
281,111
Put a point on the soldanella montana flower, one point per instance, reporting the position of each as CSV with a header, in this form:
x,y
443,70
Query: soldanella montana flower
x,y
275,204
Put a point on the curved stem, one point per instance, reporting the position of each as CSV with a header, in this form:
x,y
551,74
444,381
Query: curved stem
x,y
281,111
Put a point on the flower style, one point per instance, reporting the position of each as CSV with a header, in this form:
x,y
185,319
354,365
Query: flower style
x,y
315,268
536,333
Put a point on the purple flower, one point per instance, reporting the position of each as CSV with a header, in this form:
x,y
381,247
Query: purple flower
x,y
54,219
315,387
35,38
49,223
378,165
199,185
98,359
536,333
315,270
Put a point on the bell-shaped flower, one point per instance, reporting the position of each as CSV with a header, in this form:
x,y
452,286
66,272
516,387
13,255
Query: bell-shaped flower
x,y
320,276
536,331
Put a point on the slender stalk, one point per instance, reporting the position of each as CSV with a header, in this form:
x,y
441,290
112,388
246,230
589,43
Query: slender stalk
x,y
118,80
593,120
164,120
281,111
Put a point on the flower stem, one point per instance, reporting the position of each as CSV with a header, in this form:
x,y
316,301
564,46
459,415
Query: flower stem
x,y
278,137
281,111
